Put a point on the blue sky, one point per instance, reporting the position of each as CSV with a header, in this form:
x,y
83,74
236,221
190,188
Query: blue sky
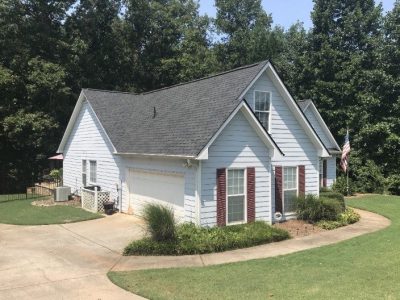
x,y
284,12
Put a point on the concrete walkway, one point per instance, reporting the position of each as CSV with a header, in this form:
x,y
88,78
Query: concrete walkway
x,y
369,222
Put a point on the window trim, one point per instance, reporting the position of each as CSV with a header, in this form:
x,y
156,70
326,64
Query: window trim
x,y
90,172
283,187
244,221
265,111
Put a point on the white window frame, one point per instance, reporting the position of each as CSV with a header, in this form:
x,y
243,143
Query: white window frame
x,y
264,111
244,193
84,171
292,189
90,172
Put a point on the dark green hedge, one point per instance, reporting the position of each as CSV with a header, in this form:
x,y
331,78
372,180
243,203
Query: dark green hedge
x,y
192,239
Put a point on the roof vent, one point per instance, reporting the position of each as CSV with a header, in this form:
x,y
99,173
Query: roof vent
x,y
154,112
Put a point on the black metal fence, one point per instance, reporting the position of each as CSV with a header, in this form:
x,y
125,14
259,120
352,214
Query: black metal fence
x,y
31,192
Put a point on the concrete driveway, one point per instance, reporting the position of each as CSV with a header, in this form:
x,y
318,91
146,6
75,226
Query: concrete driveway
x,y
67,261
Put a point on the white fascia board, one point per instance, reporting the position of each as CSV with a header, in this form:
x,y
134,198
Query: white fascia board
x,y
255,124
307,106
322,151
71,122
323,124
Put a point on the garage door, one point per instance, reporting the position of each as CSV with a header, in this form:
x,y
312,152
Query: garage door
x,y
156,187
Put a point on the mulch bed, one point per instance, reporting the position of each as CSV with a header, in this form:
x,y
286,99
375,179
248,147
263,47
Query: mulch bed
x,y
50,202
299,228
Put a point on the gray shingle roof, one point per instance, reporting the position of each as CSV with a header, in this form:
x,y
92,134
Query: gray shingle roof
x,y
186,115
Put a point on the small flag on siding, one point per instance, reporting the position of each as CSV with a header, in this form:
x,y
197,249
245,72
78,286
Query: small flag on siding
x,y
344,162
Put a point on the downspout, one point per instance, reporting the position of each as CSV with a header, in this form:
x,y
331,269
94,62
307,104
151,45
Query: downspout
x,y
198,194
120,195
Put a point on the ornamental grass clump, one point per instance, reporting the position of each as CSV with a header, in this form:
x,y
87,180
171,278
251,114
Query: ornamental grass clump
x,y
160,222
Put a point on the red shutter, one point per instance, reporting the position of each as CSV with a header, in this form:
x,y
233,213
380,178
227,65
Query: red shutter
x,y
324,167
278,188
221,197
302,181
251,195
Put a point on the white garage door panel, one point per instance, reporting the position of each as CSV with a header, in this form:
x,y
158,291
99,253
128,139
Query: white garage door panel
x,y
153,187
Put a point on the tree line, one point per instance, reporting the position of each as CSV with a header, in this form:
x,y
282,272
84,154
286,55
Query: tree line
x,y
348,63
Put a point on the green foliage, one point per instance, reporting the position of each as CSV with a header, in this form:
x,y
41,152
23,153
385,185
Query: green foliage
x,y
349,216
160,222
56,174
314,209
348,63
340,186
333,195
369,178
393,184
192,239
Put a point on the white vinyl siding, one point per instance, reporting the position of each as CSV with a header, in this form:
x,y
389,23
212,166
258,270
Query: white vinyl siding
x,y
89,142
290,188
262,107
236,197
289,136
238,146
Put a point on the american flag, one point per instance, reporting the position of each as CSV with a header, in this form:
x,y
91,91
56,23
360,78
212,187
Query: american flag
x,y
344,162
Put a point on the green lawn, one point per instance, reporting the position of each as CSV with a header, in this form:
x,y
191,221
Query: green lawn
x,y
21,212
367,267
10,197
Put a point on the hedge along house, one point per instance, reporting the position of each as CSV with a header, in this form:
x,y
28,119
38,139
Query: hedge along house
x,y
225,149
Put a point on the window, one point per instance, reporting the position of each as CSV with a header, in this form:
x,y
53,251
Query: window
x,y
236,197
84,168
289,188
93,171
262,106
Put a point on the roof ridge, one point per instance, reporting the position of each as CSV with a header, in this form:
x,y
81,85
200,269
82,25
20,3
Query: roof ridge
x,y
109,91
206,77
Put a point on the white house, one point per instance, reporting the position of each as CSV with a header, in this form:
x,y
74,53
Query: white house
x,y
225,149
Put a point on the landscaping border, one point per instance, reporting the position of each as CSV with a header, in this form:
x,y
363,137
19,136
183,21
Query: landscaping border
x,y
369,222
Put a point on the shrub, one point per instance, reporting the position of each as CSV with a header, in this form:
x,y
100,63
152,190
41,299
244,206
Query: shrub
x,y
349,216
56,174
369,178
192,239
340,186
160,222
313,209
334,195
393,184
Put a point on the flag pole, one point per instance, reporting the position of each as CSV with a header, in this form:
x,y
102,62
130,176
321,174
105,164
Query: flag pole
x,y
347,171
347,182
